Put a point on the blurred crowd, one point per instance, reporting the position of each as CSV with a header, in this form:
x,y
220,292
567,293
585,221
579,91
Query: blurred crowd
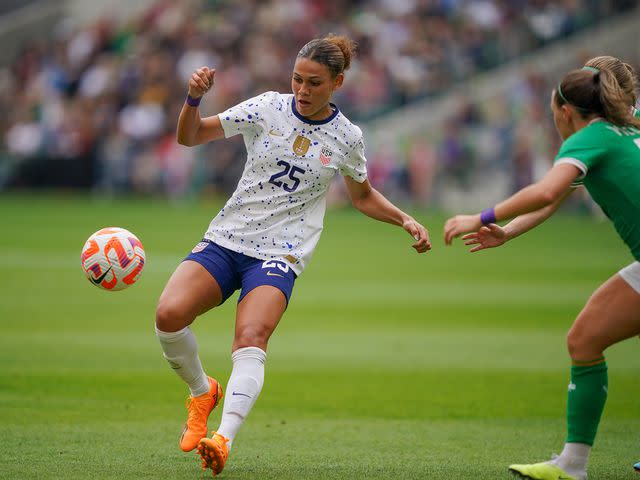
x,y
95,106
500,144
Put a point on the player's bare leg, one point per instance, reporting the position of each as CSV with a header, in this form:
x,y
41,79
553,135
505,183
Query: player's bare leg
x,y
611,315
258,315
190,291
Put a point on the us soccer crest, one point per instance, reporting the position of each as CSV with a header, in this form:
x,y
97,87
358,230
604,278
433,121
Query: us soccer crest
x,y
301,145
199,247
325,156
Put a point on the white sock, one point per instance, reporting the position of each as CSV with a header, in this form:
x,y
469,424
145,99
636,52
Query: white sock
x,y
573,459
245,384
181,351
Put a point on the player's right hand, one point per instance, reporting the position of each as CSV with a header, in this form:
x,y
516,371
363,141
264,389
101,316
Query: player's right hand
x,y
419,233
488,236
201,81
456,226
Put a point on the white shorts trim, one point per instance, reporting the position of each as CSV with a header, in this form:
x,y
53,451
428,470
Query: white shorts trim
x,y
631,275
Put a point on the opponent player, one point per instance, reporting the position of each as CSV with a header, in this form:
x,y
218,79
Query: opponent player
x,y
264,236
601,149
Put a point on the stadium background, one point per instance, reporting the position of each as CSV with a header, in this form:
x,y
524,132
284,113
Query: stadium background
x,y
451,366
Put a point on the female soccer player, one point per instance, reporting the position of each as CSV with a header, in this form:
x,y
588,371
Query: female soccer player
x,y
264,236
601,149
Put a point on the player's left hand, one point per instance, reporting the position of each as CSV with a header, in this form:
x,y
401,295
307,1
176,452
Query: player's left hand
x,y
419,233
456,226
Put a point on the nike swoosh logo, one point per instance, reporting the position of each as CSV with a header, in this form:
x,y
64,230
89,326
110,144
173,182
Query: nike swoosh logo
x,y
271,274
98,281
275,133
241,394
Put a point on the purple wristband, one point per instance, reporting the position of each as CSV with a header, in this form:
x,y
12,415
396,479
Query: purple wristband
x,y
193,102
488,216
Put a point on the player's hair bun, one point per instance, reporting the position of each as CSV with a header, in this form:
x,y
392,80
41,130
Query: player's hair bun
x,y
346,45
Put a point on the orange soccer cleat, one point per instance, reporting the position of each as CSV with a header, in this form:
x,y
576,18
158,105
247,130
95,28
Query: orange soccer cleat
x,y
214,452
199,408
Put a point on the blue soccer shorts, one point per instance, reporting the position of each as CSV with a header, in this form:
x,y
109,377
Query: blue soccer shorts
x,y
233,270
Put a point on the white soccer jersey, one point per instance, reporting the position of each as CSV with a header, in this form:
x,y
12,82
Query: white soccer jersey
x,y
278,208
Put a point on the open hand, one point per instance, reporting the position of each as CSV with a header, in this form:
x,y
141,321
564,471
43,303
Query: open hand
x,y
488,236
201,81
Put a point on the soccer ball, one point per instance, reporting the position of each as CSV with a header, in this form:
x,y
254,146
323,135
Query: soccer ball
x,y
112,258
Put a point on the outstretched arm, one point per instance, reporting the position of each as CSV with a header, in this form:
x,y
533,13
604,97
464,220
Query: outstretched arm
x,y
492,235
192,129
373,204
548,191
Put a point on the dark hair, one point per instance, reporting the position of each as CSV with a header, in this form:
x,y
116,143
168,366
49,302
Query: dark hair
x,y
624,73
333,51
591,91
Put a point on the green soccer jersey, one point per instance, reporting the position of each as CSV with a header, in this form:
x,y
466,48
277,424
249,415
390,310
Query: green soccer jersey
x,y
609,159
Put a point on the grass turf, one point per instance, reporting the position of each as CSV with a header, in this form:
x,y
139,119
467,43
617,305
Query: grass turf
x,y
386,365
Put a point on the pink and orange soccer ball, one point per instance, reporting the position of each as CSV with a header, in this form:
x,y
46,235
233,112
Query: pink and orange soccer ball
x,y
113,258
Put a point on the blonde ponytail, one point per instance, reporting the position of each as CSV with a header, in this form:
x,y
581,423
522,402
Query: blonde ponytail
x,y
614,100
596,92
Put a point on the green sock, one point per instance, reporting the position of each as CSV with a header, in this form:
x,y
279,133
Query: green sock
x,y
585,402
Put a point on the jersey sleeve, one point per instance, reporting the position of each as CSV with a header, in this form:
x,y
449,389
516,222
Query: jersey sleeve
x,y
355,163
581,150
244,117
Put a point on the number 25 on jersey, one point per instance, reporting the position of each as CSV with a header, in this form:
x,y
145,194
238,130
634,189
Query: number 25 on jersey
x,y
291,181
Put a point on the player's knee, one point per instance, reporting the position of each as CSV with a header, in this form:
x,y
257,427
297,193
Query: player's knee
x,y
170,318
582,346
254,336
573,343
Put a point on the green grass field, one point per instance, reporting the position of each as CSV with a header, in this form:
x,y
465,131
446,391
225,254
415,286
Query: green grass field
x,y
387,365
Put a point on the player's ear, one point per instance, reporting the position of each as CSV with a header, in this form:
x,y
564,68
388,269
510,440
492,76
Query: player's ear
x,y
337,82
